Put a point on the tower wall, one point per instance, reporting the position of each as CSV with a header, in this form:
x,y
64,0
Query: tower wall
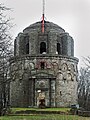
x,y
61,71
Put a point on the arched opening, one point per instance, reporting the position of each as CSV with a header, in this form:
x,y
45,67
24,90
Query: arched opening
x,y
27,48
58,48
42,47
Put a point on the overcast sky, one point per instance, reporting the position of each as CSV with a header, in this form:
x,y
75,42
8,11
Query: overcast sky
x,y
71,15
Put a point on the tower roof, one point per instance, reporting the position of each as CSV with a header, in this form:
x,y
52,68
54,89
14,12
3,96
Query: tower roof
x,y
48,27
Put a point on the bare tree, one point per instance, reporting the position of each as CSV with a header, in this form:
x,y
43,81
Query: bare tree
x,y
84,88
5,53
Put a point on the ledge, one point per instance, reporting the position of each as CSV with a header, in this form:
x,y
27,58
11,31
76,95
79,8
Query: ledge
x,y
45,56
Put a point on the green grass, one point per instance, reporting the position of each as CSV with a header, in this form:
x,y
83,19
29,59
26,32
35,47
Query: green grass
x,y
37,109
44,117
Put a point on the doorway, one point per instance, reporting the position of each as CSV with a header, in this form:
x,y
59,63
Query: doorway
x,y
41,100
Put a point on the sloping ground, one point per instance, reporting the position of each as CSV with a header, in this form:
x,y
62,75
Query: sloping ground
x,y
40,111
32,114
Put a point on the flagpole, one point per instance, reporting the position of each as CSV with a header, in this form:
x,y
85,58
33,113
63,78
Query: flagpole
x,y
43,16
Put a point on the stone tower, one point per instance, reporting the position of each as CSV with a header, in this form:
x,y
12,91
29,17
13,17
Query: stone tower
x,y
43,68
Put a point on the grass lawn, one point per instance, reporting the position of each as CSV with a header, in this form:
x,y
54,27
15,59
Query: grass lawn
x,y
37,109
44,117
36,116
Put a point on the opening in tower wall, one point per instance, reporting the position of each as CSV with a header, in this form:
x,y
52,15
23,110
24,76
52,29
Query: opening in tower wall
x,y
42,47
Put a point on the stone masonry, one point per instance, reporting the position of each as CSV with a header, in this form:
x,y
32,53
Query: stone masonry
x,y
43,67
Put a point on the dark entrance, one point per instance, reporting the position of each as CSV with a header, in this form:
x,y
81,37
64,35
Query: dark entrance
x,y
42,103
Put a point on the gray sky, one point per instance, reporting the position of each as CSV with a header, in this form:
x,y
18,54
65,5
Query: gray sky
x,y
71,15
